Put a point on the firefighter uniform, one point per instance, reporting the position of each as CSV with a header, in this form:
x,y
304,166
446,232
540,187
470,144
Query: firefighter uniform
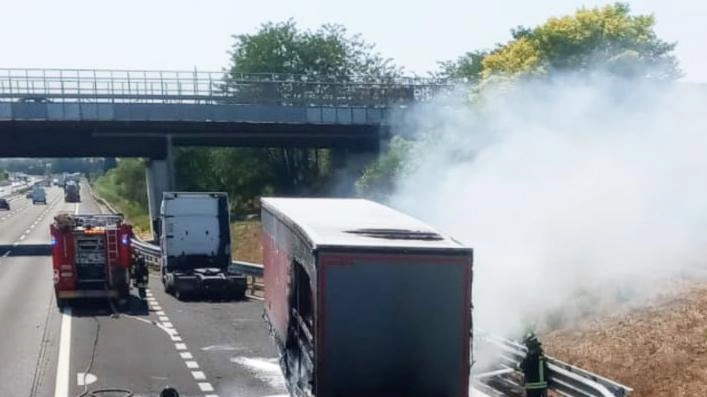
x,y
534,367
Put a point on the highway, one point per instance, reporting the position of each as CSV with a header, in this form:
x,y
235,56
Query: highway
x,y
200,348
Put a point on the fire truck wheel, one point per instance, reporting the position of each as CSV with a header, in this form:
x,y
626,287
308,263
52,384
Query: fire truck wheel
x,y
61,303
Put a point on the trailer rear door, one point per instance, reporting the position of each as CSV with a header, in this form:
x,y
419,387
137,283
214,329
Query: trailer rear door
x,y
394,325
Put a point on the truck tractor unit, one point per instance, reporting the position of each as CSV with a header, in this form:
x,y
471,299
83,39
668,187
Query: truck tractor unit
x,y
195,243
72,192
92,257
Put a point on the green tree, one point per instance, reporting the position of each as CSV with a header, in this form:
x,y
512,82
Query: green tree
x,y
468,66
605,38
379,177
328,52
129,180
283,52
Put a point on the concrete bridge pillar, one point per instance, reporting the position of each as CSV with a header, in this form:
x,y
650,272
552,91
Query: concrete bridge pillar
x,y
159,175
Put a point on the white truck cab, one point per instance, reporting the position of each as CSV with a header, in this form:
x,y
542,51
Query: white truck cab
x,y
195,240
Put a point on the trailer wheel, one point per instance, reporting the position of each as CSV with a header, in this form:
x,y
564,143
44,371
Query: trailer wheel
x,y
165,284
180,295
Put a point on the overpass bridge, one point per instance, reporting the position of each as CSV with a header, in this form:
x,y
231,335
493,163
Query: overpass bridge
x,y
79,112
141,113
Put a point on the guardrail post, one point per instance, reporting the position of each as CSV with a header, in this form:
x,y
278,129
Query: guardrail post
x,y
112,88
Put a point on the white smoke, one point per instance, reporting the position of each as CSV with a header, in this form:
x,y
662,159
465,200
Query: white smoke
x,y
570,190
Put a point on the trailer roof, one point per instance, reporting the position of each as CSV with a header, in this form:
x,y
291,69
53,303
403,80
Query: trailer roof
x,y
357,222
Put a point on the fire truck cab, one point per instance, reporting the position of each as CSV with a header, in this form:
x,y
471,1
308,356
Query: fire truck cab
x,y
92,258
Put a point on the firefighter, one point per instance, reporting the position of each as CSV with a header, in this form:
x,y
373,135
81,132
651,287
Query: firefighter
x,y
534,367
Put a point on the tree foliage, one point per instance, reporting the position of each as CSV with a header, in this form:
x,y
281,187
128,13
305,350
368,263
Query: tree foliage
x,y
279,50
130,183
605,38
329,51
468,66
378,179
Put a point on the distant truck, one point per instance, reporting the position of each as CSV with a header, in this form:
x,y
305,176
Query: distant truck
x,y
72,192
362,300
39,195
195,243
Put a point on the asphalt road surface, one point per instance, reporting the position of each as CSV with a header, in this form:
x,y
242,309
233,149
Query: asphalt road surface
x,y
200,348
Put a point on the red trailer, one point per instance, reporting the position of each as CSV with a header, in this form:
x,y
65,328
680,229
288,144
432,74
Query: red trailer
x,y
363,300
92,258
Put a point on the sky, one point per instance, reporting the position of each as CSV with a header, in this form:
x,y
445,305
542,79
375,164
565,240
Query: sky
x,y
183,34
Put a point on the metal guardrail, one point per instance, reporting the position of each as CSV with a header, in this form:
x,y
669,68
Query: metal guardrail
x,y
565,379
152,254
153,86
253,271
248,268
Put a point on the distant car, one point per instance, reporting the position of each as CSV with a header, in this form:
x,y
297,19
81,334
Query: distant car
x,y
4,205
28,195
39,195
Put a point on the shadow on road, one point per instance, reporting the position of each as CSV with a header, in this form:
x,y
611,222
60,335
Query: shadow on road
x,y
26,249
134,306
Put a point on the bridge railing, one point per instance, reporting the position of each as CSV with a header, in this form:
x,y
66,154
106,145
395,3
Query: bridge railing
x,y
149,86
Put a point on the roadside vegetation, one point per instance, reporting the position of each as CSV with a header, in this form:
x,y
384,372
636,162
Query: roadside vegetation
x,y
125,188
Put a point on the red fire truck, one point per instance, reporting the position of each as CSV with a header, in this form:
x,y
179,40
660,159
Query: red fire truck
x,y
92,258
363,300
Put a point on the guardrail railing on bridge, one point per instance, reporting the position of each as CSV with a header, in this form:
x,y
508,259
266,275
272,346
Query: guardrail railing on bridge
x,y
150,86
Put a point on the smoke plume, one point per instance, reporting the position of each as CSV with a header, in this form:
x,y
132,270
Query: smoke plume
x,y
572,191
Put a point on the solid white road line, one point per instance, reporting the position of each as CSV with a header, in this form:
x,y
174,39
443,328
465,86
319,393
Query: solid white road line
x,y
61,384
76,209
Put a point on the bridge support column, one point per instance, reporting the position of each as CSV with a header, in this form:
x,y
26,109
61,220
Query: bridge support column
x,y
159,175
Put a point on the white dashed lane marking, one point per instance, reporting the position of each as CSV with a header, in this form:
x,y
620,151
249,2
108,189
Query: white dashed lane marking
x,y
205,386
180,346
